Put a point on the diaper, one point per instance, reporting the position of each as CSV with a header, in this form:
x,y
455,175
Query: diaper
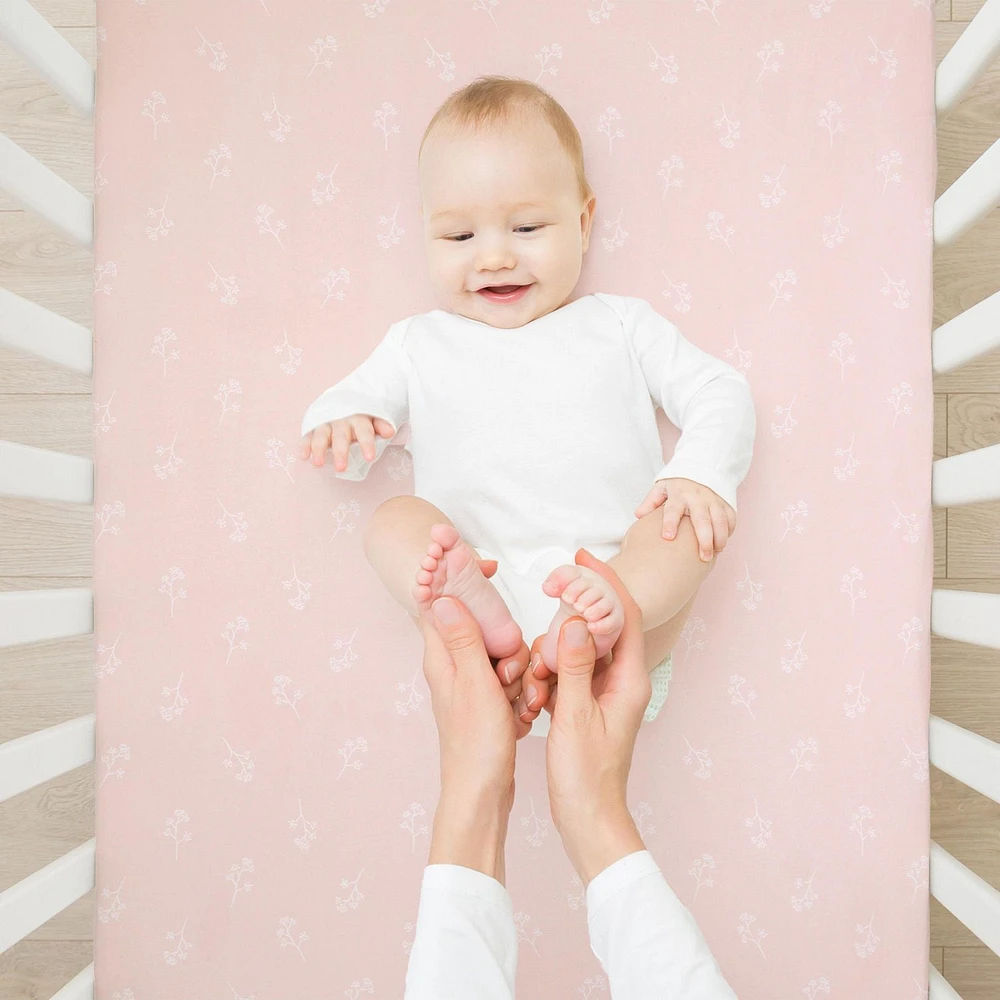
x,y
659,676
533,610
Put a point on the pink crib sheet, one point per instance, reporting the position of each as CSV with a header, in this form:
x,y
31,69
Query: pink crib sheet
x,y
267,753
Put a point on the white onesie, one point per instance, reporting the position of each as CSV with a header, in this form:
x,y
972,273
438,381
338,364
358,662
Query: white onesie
x,y
538,440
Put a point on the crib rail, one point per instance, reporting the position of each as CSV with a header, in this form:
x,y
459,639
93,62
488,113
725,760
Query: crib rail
x,y
967,60
963,339
48,54
36,615
28,327
36,188
969,200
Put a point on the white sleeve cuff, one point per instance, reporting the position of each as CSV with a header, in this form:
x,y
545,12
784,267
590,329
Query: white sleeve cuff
x,y
466,942
617,876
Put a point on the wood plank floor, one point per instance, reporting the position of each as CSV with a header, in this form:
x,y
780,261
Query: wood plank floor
x,y
43,545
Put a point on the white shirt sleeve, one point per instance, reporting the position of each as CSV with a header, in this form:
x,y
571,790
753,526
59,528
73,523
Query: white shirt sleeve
x,y
465,945
646,939
377,387
706,398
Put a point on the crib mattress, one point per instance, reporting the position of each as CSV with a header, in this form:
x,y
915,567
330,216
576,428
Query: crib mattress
x,y
267,753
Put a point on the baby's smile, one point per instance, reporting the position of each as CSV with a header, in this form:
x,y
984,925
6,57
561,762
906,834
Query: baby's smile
x,y
501,294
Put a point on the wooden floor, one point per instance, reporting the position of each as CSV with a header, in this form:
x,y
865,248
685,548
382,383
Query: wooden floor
x,y
43,545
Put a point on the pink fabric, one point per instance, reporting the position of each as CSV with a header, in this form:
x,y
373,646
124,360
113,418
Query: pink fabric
x,y
267,754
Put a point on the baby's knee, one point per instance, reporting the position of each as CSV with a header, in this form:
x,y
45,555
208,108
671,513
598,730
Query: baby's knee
x,y
387,512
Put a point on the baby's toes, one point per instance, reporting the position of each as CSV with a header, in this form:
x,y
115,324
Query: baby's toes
x,y
575,593
445,535
600,608
559,579
428,562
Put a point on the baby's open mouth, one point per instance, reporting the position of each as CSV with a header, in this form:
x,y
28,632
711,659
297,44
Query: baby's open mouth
x,y
504,293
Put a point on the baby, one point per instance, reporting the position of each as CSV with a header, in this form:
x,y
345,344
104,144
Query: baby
x,y
531,413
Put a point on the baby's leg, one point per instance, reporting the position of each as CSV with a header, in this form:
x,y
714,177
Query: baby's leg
x,y
662,576
419,556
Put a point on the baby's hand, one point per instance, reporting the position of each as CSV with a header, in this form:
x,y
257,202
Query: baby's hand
x,y
713,519
339,434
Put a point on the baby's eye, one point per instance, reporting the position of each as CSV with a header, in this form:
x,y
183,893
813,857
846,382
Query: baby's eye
x,y
462,236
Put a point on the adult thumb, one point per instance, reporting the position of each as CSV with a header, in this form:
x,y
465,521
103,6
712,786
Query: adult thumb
x,y
575,662
459,631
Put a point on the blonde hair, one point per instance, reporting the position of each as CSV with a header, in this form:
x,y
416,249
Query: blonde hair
x,y
507,100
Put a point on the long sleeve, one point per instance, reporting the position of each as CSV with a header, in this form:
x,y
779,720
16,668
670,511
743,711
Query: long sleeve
x,y
646,940
465,946
706,398
378,387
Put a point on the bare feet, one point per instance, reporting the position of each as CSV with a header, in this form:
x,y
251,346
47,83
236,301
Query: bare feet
x,y
451,567
583,592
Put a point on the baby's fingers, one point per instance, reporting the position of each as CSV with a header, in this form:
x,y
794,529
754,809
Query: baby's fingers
x,y
702,521
364,434
320,443
653,499
720,526
673,511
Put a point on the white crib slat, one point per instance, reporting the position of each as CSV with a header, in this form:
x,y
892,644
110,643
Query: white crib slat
x,y
33,901
940,988
972,477
972,759
968,58
40,190
37,615
966,616
48,53
38,757
45,475
81,986
970,334
972,899
972,197
27,326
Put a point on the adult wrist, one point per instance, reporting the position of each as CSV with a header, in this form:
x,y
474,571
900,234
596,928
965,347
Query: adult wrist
x,y
470,829
594,841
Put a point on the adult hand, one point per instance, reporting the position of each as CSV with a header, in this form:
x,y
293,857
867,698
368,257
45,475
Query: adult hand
x,y
595,721
477,732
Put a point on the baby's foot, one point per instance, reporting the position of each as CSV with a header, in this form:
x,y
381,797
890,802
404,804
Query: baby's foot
x,y
583,592
450,568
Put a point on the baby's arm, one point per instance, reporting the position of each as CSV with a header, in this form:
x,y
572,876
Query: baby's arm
x,y
702,395
377,389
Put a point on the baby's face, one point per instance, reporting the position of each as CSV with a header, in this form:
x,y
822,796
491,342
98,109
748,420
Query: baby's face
x,y
478,232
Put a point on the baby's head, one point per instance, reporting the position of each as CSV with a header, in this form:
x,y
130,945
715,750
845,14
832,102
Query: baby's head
x,y
495,144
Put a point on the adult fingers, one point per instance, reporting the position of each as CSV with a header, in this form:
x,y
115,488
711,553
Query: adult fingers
x,y
488,566
460,635
575,659
537,678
